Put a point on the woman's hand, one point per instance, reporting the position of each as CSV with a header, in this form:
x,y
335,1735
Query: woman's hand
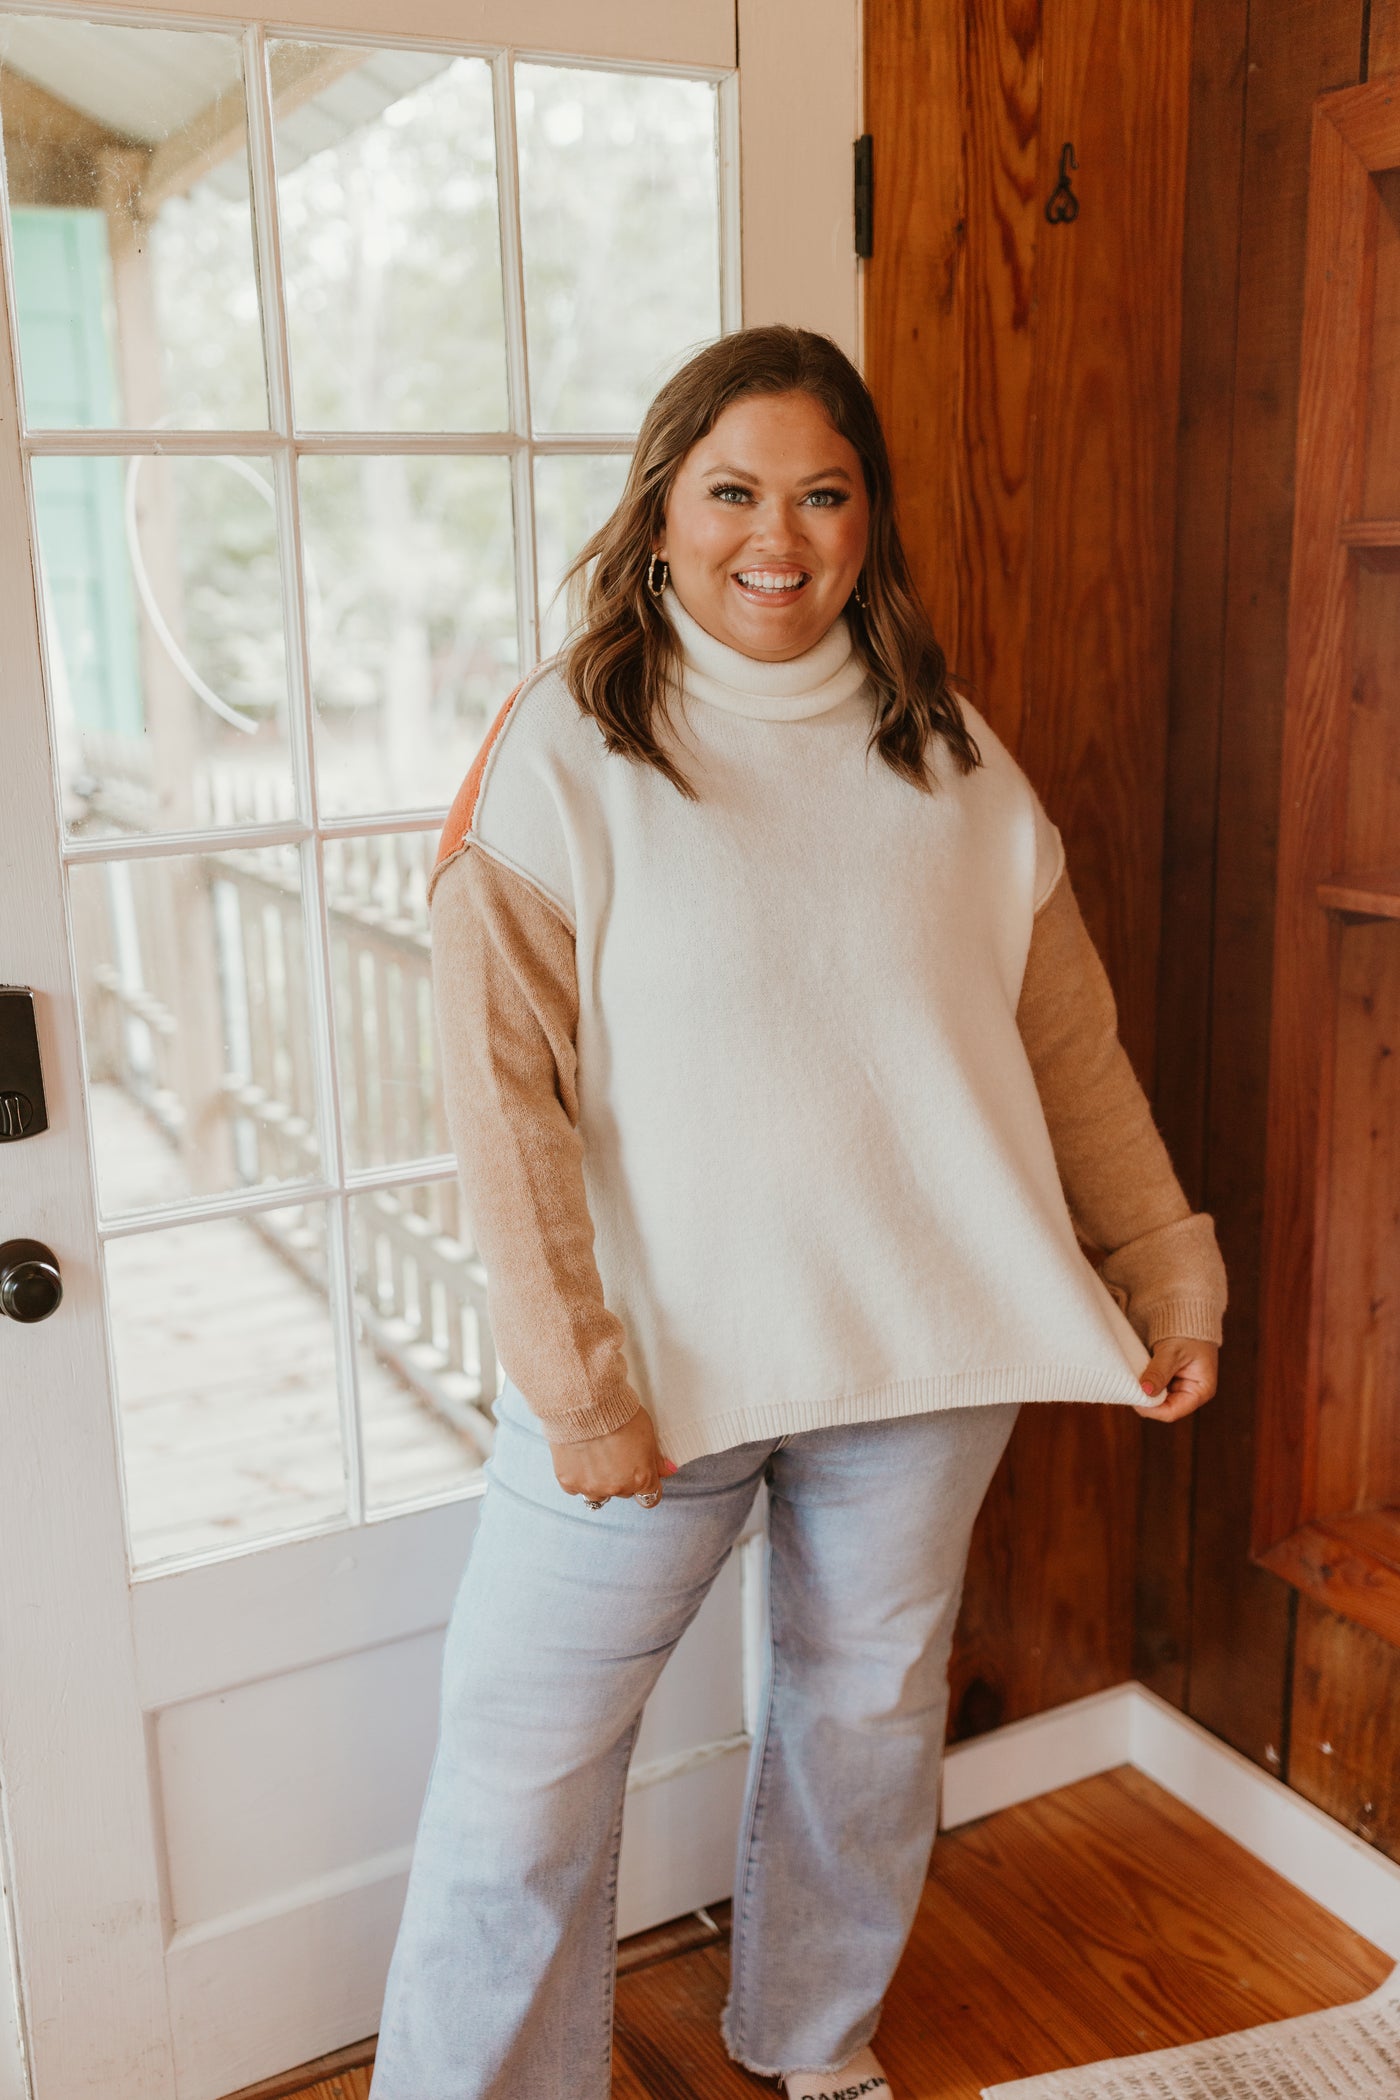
x,y
626,1461
1183,1373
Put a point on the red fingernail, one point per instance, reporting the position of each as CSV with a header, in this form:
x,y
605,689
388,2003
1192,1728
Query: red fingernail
x,y
668,1466
1147,1385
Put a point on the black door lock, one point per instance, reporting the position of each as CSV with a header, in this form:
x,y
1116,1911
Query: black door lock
x,y
22,1109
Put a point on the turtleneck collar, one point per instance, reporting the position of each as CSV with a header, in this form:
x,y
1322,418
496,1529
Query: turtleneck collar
x,y
821,678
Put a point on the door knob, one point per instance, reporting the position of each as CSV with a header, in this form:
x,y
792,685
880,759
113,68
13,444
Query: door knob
x,y
30,1285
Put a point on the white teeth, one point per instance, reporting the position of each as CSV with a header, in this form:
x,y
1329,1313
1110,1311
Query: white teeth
x,y
772,583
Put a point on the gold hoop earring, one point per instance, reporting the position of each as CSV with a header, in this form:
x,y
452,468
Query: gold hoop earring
x,y
859,595
652,585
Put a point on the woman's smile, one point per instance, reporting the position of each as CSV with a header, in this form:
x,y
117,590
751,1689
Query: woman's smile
x,y
772,586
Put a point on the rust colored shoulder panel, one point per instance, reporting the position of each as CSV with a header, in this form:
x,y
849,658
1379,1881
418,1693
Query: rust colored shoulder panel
x,y
459,817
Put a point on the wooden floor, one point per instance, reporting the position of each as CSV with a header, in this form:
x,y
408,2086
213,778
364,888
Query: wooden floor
x,y
1096,1921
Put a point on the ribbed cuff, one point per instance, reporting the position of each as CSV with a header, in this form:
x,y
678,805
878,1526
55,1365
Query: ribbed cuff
x,y
1194,1319
581,1424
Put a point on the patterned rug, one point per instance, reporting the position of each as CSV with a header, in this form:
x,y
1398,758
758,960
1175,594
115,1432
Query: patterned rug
x,y
1350,2052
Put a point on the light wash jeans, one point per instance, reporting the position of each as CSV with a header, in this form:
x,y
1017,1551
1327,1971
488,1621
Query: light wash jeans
x,y
501,1986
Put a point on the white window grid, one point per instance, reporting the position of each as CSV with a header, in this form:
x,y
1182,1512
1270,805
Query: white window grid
x,y
284,444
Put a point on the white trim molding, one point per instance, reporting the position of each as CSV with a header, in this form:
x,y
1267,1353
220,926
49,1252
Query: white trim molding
x,y
799,106
1131,1726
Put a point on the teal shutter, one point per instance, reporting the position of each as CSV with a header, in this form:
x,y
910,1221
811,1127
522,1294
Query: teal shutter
x,y
63,298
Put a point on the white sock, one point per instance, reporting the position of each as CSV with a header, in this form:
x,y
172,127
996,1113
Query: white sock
x,y
860,2079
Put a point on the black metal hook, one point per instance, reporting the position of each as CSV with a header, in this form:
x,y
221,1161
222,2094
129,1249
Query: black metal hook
x,y
1063,205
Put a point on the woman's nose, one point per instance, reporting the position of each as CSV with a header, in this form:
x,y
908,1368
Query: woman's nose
x,y
775,531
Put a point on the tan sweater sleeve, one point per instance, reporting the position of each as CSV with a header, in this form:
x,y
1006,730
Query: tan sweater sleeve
x,y
1161,1259
505,985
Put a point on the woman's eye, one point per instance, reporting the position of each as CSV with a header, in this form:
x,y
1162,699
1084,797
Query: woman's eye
x,y
822,499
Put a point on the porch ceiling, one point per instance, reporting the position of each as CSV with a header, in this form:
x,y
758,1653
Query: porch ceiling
x,y
148,86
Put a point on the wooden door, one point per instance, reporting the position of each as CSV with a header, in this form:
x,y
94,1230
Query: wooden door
x,y
325,348
1327,1489
1022,329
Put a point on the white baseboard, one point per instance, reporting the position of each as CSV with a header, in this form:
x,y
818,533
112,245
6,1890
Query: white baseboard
x,y
1131,1726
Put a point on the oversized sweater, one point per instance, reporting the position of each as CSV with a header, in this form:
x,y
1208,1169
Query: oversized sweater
x,y
787,1106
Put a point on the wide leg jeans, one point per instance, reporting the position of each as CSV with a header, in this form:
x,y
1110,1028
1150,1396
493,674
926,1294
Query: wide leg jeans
x,y
501,1985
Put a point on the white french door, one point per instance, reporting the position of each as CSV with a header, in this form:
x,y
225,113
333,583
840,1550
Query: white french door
x,y
325,340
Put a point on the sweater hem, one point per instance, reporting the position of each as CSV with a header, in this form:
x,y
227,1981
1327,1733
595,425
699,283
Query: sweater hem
x,y
996,1385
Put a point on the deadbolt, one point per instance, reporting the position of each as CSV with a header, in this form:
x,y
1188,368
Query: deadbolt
x,y
30,1285
22,1110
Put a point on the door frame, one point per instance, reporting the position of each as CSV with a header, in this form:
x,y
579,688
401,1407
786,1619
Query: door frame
x,y
72,1723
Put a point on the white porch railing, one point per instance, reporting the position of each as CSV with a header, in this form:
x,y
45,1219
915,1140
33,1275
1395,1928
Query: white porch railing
x,y
198,1007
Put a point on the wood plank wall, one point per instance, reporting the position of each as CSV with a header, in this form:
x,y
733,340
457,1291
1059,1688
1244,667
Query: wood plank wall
x,y
1298,1690
1027,375
1113,582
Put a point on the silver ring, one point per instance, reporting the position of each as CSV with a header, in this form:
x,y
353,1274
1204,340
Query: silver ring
x,y
596,1505
649,1501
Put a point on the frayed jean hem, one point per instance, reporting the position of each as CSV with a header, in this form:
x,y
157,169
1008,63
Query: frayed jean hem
x,y
746,2063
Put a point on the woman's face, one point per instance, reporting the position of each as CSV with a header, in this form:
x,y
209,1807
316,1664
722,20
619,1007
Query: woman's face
x,y
766,526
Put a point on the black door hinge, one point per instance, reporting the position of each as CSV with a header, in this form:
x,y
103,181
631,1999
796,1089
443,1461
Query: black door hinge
x,y
865,195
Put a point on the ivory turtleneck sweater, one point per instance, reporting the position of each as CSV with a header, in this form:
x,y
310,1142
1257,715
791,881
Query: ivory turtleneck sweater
x,y
779,1109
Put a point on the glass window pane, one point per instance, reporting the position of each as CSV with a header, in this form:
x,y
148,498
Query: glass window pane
x,y
226,1382
411,606
163,617
574,493
195,992
619,201
427,1368
381,966
126,155
390,238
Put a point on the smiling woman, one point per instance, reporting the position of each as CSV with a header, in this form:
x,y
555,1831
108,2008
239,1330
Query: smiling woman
x,y
770,1096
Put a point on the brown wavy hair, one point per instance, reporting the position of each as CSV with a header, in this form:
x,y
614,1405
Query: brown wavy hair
x,y
622,654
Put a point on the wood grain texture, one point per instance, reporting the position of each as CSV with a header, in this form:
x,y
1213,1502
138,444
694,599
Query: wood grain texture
x,y
1352,1566
1383,38
678,1936
1214,173
1101,1919
1368,893
1346,1694
343,2075
1330,1367
1118,1920
1108,292
1356,1438
1088,721
1004,62
345,2085
1312,833
1365,116
1380,493
1027,378
1240,1613
1093,733
1047,1608
915,66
